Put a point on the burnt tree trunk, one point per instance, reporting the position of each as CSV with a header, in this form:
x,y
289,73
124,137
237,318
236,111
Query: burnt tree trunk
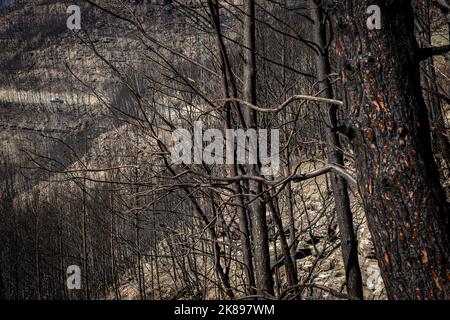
x,y
440,142
264,280
237,188
349,244
398,179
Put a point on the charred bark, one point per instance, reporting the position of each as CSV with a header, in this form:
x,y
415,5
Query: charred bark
x,y
407,212
264,280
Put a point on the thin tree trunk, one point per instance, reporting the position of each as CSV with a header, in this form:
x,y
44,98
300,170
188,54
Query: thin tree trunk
x,y
37,254
112,249
85,250
349,244
439,139
237,189
288,261
257,207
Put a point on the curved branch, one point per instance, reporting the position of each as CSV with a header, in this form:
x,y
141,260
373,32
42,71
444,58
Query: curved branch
x,y
286,103
325,169
295,177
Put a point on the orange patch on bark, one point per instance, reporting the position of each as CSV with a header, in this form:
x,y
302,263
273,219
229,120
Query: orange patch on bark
x,y
386,258
418,293
424,255
436,280
376,105
406,161
390,126
383,106
374,120
399,184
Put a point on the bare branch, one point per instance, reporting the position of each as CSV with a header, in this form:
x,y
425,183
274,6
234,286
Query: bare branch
x,y
286,103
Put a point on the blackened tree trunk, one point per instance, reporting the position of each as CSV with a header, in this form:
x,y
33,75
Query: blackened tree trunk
x,y
398,180
85,242
440,142
349,244
237,188
264,280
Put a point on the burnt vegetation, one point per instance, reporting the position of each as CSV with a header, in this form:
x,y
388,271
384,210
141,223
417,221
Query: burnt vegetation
x,y
358,210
